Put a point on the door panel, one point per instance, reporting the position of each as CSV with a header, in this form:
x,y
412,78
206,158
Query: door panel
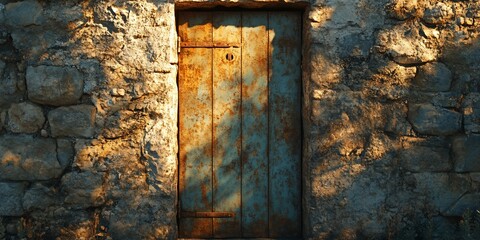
x,y
240,124
227,125
284,122
255,125
195,122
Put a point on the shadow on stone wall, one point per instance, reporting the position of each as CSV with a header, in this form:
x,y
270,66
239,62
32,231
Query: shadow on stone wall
x,y
390,126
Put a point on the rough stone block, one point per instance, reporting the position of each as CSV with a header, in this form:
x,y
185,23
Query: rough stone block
x,y
38,197
2,67
405,45
23,13
396,119
11,199
74,121
53,85
35,41
475,177
425,159
466,153
119,124
439,13
93,74
442,227
467,202
25,118
65,152
433,77
325,71
85,151
329,105
402,9
396,73
2,227
471,113
441,189
429,33
84,189
64,12
438,99
390,80
2,119
446,99
3,32
431,120
28,158
355,46
364,195
11,86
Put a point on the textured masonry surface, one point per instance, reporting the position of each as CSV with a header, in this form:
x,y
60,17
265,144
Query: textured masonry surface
x,y
88,117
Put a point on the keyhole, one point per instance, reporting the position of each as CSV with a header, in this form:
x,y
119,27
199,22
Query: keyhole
x,y
229,57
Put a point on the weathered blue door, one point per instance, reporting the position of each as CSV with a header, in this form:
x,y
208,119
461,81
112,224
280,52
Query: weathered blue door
x,y
240,124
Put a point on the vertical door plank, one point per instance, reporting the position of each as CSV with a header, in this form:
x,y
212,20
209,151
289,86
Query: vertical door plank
x,y
255,124
226,125
285,125
195,120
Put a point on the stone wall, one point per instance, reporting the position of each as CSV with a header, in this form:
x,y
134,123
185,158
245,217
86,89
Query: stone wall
x,y
391,118
88,118
88,103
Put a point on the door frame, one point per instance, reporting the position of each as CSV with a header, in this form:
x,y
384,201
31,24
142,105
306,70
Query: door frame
x,y
302,8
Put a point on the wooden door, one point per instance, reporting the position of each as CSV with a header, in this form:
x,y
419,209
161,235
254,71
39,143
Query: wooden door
x,y
240,124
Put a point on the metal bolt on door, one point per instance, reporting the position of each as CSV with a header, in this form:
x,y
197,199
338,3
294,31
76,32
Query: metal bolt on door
x,y
240,124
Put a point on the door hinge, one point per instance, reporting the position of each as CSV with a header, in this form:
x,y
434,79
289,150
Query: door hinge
x,y
184,214
210,44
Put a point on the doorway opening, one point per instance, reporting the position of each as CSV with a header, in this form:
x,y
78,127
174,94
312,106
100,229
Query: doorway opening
x,y
240,124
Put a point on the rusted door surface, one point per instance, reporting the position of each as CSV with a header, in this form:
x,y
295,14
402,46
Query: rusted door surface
x,y
240,124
